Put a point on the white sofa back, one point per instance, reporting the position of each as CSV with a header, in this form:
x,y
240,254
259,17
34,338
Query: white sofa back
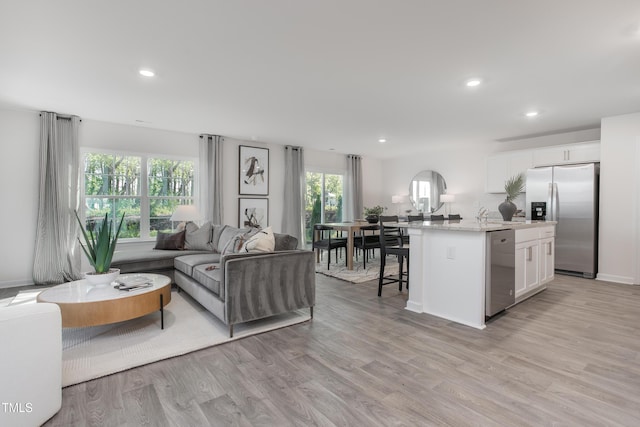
x,y
30,364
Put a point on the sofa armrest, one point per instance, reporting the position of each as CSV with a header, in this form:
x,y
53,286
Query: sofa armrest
x,y
30,363
265,284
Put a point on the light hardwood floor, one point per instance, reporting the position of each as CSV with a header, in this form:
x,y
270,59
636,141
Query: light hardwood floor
x,y
568,356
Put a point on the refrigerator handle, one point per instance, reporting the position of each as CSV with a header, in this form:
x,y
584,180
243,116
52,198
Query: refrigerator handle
x,y
550,202
556,204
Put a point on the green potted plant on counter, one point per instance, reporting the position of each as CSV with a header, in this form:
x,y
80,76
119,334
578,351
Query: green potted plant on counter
x,y
373,214
99,249
513,187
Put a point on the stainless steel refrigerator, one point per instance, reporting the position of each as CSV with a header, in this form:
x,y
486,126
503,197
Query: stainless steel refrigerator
x,y
570,193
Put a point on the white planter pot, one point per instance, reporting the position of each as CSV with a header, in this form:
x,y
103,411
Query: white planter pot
x,y
102,278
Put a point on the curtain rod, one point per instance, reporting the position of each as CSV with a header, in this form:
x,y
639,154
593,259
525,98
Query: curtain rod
x,y
60,116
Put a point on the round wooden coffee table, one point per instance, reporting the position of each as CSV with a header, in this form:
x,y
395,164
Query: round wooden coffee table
x,y
82,304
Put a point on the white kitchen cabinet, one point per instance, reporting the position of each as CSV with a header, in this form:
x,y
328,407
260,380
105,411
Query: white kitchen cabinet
x,y
547,260
534,267
527,267
502,166
565,154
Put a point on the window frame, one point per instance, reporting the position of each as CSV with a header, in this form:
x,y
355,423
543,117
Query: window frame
x,y
145,198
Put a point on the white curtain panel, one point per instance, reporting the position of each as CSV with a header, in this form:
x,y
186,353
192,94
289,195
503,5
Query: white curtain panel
x,y
353,197
57,257
211,178
294,190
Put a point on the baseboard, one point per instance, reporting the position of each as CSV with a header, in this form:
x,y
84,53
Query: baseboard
x,y
616,279
415,307
15,283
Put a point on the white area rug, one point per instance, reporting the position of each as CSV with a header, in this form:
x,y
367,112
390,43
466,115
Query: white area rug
x,y
94,352
338,268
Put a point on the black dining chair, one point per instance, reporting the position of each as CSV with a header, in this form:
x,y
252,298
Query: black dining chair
x,y
402,231
436,218
415,218
391,243
454,217
322,240
387,218
367,242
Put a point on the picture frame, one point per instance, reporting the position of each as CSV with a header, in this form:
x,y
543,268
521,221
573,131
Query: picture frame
x,y
253,212
253,176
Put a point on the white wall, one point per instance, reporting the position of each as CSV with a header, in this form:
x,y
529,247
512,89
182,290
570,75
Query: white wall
x,y
463,168
19,158
327,161
619,187
19,139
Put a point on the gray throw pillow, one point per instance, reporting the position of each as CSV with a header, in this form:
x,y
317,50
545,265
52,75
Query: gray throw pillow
x,y
198,238
170,241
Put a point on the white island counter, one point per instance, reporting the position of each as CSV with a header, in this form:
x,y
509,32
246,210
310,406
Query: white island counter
x,y
447,265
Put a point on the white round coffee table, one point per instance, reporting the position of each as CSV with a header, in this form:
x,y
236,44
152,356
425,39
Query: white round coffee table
x,y
83,304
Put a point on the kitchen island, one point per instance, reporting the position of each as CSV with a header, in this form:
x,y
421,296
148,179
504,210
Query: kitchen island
x,y
448,265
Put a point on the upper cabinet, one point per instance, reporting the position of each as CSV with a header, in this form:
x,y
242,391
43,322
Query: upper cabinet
x,y
502,166
563,154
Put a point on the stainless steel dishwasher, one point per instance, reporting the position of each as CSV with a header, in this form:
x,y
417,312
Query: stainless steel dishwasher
x,y
500,271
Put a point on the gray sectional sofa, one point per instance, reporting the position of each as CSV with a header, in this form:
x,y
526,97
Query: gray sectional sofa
x,y
235,285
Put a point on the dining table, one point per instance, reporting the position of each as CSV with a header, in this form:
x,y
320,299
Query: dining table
x,y
351,228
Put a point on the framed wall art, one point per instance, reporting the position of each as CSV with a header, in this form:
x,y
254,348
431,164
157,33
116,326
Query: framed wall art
x,y
254,171
253,212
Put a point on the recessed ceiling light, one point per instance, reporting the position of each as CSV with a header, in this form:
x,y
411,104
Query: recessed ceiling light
x,y
382,140
474,82
147,73
531,113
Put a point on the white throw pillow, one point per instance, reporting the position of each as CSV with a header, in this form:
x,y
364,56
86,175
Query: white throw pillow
x,y
236,243
262,241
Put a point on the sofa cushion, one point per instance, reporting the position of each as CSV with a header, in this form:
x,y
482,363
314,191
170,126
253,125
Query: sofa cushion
x,y
187,263
209,276
198,238
262,241
170,241
146,260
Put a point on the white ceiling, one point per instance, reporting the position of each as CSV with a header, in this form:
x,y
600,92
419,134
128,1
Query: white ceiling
x,y
331,74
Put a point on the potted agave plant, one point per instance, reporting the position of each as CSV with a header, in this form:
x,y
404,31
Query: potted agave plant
x,y
99,248
513,187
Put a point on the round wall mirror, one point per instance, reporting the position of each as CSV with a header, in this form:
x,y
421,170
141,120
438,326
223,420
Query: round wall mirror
x,y
425,190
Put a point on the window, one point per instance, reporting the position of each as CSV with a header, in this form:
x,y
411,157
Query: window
x,y
113,184
323,201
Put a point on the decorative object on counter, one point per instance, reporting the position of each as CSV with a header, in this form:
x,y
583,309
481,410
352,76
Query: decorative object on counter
x,y
447,199
99,250
483,214
513,187
372,214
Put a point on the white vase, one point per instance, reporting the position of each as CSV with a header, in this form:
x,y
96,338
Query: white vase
x,y
102,279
